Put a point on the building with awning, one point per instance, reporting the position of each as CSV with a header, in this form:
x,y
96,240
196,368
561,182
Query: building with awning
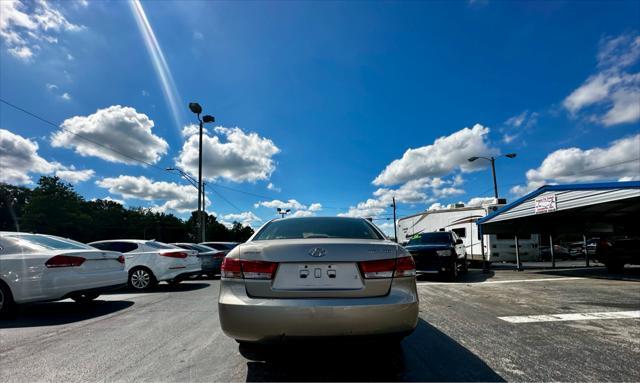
x,y
610,208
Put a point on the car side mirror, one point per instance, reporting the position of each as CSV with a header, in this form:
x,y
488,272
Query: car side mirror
x,y
458,241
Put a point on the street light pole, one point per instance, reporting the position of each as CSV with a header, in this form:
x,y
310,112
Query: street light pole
x,y
395,229
495,182
493,168
197,110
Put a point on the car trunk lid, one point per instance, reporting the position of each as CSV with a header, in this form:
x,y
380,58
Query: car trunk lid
x,y
318,268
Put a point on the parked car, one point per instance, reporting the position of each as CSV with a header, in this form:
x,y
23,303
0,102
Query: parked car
x,y
316,277
149,262
440,252
211,259
222,246
37,267
559,252
617,252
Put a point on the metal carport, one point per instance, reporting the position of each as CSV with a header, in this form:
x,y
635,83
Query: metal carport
x,y
584,209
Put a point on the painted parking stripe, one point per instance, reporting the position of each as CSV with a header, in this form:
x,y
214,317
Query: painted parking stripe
x,y
572,317
505,281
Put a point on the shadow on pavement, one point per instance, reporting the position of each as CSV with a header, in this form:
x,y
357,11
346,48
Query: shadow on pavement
x,y
426,355
163,288
58,313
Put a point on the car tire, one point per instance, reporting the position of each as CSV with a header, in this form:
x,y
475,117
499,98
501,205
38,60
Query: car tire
x,y
7,303
452,275
141,278
84,297
614,267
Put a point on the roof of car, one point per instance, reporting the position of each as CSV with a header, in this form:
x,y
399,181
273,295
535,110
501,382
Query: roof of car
x,y
124,240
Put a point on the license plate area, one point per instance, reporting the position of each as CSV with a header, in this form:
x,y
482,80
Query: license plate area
x,y
318,276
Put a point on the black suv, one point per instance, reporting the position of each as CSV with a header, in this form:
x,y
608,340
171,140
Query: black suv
x,y
440,252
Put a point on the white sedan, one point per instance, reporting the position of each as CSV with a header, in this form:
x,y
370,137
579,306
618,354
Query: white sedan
x,y
37,267
149,262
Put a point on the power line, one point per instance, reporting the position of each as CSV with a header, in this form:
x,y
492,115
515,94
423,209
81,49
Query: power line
x,y
79,135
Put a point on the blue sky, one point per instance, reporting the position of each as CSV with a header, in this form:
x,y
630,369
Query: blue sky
x,y
336,105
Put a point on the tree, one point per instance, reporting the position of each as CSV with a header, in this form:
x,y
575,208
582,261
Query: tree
x,y
12,202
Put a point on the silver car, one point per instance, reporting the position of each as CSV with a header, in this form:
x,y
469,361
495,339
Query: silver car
x,y
317,277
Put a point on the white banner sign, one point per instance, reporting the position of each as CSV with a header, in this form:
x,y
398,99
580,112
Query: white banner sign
x,y
545,204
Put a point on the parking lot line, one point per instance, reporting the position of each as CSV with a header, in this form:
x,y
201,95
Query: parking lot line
x,y
572,317
505,281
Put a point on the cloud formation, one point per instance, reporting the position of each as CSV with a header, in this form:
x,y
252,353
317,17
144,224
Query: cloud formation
x,y
446,154
232,154
23,28
177,198
127,135
19,157
611,95
619,160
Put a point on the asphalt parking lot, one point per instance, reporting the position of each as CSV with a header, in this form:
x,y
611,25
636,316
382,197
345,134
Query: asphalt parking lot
x,y
490,327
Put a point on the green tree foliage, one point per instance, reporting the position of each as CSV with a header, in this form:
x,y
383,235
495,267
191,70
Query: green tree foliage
x,y
54,207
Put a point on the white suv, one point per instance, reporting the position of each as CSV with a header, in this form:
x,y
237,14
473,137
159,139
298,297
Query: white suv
x,y
149,262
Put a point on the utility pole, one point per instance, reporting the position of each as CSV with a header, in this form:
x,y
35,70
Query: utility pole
x,y
395,227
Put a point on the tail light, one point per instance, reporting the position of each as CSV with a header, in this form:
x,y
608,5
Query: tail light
x,y
235,268
64,261
387,268
121,259
405,267
175,254
377,269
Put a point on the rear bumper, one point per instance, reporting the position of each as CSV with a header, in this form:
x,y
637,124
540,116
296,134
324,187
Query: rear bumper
x,y
212,267
180,273
267,319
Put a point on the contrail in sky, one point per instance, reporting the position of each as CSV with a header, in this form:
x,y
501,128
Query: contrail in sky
x,y
159,63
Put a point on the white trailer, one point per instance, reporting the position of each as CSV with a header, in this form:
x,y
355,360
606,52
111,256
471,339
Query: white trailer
x,y
462,220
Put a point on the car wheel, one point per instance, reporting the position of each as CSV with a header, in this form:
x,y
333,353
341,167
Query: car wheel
x,y
85,297
465,265
6,300
141,279
452,274
615,267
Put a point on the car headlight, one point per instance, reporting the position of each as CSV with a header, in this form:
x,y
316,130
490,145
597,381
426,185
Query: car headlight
x,y
443,253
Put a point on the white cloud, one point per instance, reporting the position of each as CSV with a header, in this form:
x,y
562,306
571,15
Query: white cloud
x,y
517,120
516,125
178,198
66,96
145,93
616,161
19,157
246,218
478,201
442,157
51,87
197,35
70,57
613,89
22,26
237,157
297,209
315,207
119,128
273,187
276,203
74,176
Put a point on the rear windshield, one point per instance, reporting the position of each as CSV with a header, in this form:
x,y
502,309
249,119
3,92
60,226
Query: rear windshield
x,y
198,248
431,238
49,243
160,245
314,227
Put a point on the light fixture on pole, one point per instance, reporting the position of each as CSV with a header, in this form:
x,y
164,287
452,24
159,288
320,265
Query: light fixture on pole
x,y
283,212
197,110
493,168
